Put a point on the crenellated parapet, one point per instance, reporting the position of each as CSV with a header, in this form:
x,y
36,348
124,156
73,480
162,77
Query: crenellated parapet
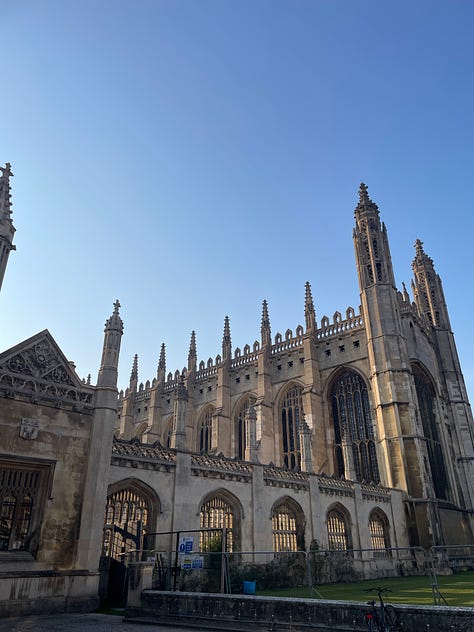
x,y
340,325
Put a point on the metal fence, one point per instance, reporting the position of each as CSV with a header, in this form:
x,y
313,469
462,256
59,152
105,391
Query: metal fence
x,y
183,564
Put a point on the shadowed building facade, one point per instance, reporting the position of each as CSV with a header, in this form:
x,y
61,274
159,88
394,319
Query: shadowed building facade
x,y
353,431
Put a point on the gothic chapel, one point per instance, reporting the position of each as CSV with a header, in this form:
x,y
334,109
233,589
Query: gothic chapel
x,y
355,432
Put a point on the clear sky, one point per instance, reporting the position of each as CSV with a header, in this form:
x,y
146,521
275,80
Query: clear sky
x,y
193,157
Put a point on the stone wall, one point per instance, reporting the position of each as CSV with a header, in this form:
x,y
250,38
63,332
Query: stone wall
x,y
241,612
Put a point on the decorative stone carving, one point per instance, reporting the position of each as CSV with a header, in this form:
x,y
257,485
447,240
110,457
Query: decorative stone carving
x,y
29,428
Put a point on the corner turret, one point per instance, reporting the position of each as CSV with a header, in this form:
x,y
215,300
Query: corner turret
x,y
428,290
374,263
113,331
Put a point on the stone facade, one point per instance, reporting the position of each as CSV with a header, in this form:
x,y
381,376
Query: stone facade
x,y
354,432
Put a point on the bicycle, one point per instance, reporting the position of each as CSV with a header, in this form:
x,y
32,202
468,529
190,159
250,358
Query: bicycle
x,y
382,617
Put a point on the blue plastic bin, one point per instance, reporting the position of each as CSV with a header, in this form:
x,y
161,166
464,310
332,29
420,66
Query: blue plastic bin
x,y
249,587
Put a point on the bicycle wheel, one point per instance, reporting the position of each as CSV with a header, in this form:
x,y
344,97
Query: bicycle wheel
x,y
392,619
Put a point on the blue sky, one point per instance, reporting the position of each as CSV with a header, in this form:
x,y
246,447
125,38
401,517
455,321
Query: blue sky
x,y
193,157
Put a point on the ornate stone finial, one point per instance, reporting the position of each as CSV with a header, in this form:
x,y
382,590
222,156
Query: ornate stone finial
x,y
6,170
115,322
419,247
226,341
365,203
226,335
265,328
420,255
363,193
134,373
406,296
192,345
309,313
161,372
192,355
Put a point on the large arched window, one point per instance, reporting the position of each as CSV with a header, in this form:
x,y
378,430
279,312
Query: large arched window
x,y
205,431
239,417
379,535
353,427
218,512
127,521
287,526
426,403
291,412
339,537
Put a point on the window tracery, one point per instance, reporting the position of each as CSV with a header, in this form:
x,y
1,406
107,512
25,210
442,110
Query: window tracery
x,y
426,403
240,440
291,413
338,531
353,423
205,431
217,513
22,496
287,530
126,523
379,536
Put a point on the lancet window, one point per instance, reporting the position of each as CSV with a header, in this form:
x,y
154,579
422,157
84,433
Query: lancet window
x,y
216,513
353,428
291,412
127,521
205,431
426,404
338,531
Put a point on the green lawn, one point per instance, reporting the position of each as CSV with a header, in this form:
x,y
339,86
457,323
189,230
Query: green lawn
x,y
458,590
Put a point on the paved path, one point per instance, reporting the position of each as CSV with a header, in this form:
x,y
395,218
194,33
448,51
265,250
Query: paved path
x,y
79,622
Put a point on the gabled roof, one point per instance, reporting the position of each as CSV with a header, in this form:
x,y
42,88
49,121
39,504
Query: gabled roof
x,y
38,368
40,357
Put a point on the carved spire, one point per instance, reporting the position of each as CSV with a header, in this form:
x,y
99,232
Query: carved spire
x,y
265,328
160,374
110,354
406,296
5,194
365,203
226,341
7,230
134,373
428,289
309,313
192,355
